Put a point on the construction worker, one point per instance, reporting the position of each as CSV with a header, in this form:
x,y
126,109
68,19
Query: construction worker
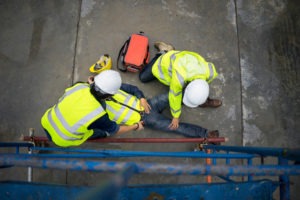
x,y
181,70
79,115
129,106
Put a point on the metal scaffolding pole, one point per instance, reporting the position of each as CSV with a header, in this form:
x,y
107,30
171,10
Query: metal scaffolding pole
x,y
153,168
290,154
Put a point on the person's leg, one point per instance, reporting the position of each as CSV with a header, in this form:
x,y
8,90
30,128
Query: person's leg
x,y
159,103
146,73
191,130
157,121
98,133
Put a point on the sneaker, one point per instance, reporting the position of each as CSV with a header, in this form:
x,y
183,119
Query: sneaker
x,y
161,46
213,103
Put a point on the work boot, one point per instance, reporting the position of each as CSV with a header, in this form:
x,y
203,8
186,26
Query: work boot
x,y
213,134
161,46
213,103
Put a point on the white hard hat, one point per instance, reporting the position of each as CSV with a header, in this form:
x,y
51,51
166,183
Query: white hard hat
x,y
196,93
108,81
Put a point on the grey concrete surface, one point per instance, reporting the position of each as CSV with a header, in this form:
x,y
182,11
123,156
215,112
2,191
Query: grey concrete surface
x,y
45,46
269,59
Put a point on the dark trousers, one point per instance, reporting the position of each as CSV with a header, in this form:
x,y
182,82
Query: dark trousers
x,y
156,120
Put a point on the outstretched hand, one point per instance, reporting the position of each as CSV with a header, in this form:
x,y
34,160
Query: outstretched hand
x,y
145,105
174,124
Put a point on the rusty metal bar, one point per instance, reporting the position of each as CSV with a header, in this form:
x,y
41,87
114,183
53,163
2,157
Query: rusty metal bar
x,y
138,140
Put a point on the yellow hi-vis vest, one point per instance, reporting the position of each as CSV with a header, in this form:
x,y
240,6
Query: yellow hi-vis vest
x,y
122,114
67,122
176,69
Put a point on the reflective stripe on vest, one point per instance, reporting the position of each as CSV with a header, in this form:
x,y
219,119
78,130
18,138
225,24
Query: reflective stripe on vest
x,y
120,113
181,82
175,111
72,130
72,90
174,93
160,69
62,135
211,72
164,73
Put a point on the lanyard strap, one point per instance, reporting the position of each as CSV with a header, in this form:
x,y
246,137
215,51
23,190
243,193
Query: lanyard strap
x,y
116,101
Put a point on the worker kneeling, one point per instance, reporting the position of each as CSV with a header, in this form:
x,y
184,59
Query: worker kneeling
x,y
79,115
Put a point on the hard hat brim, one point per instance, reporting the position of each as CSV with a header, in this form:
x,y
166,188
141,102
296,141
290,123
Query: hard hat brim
x,y
188,103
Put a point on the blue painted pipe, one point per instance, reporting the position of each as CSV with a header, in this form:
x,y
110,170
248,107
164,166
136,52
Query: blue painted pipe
x,y
16,144
284,182
83,153
155,168
291,154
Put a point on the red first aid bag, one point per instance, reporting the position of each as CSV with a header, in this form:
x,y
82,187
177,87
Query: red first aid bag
x,y
134,53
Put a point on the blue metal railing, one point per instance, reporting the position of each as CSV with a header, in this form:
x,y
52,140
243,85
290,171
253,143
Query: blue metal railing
x,y
145,167
72,159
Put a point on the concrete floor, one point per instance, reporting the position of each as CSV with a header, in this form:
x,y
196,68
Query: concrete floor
x,y
46,46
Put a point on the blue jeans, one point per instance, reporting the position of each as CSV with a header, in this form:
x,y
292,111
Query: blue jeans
x,y
146,73
156,120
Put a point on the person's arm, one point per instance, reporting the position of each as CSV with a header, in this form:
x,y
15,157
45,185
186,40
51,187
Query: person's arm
x,y
135,127
175,98
135,91
104,127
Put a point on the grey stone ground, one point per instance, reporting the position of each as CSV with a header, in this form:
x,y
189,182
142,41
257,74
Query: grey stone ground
x,y
45,46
